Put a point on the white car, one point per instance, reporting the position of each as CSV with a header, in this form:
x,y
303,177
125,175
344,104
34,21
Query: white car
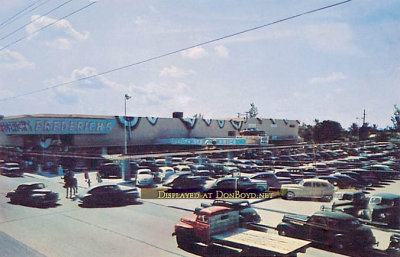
x,y
144,178
182,168
309,188
165,172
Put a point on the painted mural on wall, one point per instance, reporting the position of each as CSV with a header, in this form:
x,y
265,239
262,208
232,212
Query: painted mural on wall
x,y
189,123
38,126
152,120
207,122
237,124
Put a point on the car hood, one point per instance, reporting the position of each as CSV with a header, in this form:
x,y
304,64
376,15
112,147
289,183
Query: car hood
x,y
144,176
42,191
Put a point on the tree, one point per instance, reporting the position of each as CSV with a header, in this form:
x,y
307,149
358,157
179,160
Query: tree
x,y
353,129
327,131
306,132
365,131
396,118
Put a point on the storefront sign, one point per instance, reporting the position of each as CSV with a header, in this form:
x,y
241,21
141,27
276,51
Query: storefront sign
x,y
37,126
202,141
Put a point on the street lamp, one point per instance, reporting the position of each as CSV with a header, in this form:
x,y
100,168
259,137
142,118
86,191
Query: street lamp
x,y
127,97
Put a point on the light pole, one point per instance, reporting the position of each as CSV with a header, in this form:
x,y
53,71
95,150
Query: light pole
x,y
127,97
125,163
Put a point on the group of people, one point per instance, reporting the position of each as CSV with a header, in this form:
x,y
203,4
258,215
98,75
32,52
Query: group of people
x,y
71,183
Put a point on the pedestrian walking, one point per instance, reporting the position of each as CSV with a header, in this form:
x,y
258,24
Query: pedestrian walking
x,y
60,170
98,177
87,178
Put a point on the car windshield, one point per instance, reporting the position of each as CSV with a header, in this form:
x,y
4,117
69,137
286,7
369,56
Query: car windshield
x,y
375,200
172,178
145,172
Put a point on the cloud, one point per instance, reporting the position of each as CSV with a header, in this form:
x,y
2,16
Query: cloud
x,y
195,53
331,78
175,72
60,43
64,27
221,51
331,37
139,20
99,89
12,60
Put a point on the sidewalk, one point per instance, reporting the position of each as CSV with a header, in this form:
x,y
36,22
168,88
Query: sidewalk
x,y
80,177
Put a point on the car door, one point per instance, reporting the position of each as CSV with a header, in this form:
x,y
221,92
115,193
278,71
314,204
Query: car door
x,y
318,229
318,190
308,190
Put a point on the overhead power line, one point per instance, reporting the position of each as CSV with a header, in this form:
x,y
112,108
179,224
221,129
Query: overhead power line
x,y
28,11
173,52
52,23
18,13
45,14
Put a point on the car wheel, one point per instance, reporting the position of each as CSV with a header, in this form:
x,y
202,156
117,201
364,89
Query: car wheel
x,y
326,198
14,200
290,195
283,231
338,244
183,241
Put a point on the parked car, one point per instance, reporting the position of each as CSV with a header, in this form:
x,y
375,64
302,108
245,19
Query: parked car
x,y
165,172
350,202
284,176
184,181
383,208
145,178
309,188
270,178
382,172
11,169
341,181
335,229
109,194
247,213
33,194
110,170
233,184
182,168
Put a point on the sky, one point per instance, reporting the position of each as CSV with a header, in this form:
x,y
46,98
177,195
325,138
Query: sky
x,y
327,65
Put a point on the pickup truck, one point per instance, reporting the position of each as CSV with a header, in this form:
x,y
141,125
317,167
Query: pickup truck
x,y
334,229
219,226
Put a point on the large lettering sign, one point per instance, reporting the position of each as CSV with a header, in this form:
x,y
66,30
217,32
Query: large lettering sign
x,y
202,141
37,126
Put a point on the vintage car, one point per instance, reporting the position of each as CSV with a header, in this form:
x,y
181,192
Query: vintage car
x,y
145,178
184,182
247,213
236,184
383,208
350,202
335,229
33,194
11,169
110,170
308,188
109,194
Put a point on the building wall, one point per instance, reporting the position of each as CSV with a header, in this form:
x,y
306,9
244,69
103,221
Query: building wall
x,y
89,131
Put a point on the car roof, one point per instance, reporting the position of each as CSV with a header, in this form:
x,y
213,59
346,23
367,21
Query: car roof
x,y
386,195
334,215
30,183
214,210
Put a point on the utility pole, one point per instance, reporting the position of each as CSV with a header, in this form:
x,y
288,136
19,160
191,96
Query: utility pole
x,y
364,118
